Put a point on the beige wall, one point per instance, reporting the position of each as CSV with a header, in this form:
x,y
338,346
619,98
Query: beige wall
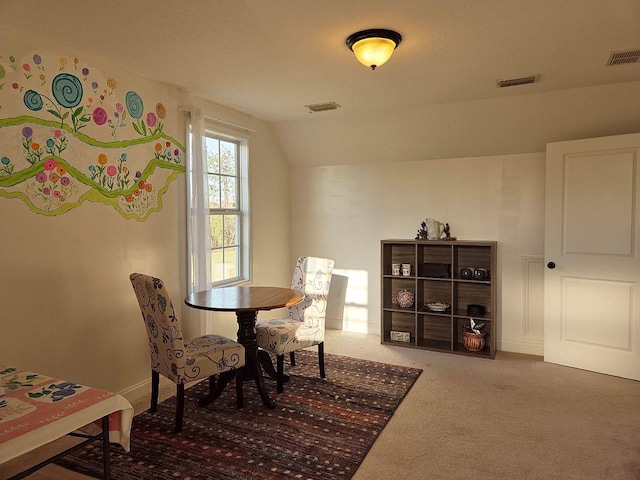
x,y
68,309
344,211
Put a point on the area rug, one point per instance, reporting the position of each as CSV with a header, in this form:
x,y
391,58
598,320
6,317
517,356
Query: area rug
x,y
320,428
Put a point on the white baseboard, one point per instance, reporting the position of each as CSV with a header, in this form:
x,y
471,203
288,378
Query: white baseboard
x,y
143,389
518,346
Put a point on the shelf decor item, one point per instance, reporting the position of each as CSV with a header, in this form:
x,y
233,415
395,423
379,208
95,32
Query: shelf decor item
x,y
431,229
438,306
480,274
466,273
474,342
400,336
405,298
475,309
437,270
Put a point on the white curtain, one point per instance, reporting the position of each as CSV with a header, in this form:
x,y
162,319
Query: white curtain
x,y
198,216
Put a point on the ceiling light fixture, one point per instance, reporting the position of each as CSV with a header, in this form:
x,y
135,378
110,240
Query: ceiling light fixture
x,y
373,47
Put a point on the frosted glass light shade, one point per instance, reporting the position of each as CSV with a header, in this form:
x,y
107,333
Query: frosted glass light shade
x,y
373,47
373,52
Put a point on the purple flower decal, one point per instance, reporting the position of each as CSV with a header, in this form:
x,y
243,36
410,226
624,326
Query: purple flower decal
x,y
27,132
65,181
94,85
138,174
46,191
100,116
37,59
85,71
41,177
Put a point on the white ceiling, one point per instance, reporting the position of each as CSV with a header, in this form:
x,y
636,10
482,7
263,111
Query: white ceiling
x,y
269,58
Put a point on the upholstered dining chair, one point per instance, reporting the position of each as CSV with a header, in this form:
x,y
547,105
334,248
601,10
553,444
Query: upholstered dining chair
x,y
304,325
177,359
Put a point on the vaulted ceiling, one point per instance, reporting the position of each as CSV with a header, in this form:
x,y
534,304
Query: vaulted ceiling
x,y
270,58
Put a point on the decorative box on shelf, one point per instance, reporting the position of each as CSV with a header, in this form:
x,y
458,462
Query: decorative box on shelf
x,y
400,336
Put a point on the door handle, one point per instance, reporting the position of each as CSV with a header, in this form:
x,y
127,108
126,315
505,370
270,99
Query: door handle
x,y
551,265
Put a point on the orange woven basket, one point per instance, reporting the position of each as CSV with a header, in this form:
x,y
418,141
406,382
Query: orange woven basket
x,y
474,342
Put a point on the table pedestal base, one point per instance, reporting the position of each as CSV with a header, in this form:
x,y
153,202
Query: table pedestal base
x,y
254,362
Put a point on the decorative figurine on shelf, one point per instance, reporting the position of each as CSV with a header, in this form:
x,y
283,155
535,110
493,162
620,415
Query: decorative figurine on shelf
x,y
422,232
430,229
447,234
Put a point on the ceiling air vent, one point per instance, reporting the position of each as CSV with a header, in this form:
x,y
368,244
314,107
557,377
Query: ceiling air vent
x,y
623,57
510,82
322,107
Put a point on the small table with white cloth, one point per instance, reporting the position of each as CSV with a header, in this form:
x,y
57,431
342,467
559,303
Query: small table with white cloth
x,y
36,409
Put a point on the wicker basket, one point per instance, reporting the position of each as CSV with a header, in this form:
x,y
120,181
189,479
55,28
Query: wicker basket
x,y
474,342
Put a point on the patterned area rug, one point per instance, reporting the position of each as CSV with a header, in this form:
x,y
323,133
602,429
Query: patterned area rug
x,y
320,428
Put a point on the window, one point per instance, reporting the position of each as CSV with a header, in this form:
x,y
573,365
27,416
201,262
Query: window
x,y
222,170
218,191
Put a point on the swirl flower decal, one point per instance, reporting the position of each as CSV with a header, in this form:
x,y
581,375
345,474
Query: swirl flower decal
x,y
67,90
134,103
33,100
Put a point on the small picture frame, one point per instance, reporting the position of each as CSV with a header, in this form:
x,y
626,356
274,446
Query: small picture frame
x,y
400,336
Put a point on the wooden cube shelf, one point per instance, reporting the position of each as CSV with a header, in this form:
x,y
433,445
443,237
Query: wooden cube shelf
x,y
435,278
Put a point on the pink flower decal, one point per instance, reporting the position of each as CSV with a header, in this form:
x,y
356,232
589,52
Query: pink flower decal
x,y
151,119
50,164
41,177
119,107
100,116
111,171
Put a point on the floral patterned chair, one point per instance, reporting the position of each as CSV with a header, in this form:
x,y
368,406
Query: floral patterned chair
x,y
180,360
304,326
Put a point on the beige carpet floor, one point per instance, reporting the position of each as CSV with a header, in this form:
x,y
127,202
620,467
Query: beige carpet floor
x,y
515,417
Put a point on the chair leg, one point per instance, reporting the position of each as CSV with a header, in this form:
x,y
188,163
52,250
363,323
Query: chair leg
x,y
179,407
292,356
155,386
280,373
239,392
321,358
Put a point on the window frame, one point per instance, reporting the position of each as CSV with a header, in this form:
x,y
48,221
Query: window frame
x,y
212,129
213,132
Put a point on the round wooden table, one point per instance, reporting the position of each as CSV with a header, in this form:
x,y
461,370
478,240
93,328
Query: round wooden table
x,y
246,301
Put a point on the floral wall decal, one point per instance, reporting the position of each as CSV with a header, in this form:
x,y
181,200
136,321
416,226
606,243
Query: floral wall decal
x,y
69,134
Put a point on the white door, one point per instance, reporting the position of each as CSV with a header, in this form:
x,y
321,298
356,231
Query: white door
x,y
592,243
